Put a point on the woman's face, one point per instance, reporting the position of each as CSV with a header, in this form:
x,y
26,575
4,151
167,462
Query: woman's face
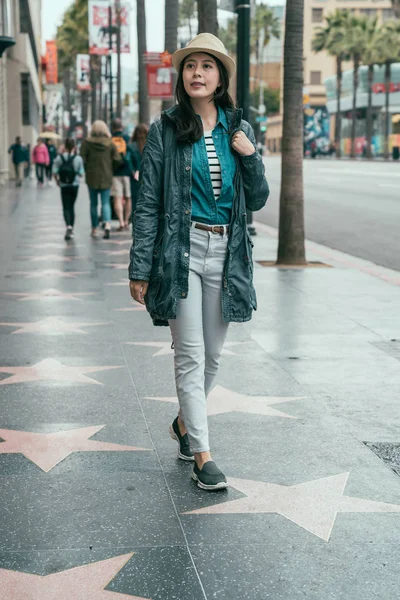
x,y
200,76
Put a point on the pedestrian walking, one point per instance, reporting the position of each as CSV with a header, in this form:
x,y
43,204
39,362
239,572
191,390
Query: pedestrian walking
x,y
191,258
40,157
68,170
121,186
19,157
135,150
52,150
100,157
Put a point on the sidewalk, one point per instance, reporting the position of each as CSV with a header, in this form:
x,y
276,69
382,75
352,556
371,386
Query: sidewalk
x,y
305,422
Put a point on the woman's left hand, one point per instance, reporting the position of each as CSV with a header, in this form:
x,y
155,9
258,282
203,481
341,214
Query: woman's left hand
x,y
242,145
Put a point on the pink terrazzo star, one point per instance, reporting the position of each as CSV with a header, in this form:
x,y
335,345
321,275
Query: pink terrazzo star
x,y
54,245
46,450
51,273
124,252
51,326
51,370
118,266
120,242
51,294
50,257
81,583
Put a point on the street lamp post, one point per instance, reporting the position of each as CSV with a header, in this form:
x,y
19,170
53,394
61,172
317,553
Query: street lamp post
x,y
243,70
118,24
110,75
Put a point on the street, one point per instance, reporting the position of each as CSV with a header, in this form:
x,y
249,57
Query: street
x,y
350,206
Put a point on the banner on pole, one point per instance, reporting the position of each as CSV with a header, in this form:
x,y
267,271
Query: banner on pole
x,y
51,62
159,74
100,30
83,72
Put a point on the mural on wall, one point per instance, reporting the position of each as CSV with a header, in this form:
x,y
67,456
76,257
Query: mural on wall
x,y
316,131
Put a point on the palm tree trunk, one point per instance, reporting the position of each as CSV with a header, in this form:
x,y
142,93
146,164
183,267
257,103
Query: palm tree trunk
x,y
396,8
369,110
144,116
387,114
207,13
291,214
94,66
171,36
338,120
354,108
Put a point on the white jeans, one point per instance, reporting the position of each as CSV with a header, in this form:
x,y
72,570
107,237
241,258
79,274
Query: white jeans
x,y
199,333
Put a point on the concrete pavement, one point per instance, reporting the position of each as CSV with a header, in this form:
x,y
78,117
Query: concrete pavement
x,y
353,206
304,420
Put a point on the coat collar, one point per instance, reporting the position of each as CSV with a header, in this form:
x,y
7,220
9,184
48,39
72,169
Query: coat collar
x,y
230,119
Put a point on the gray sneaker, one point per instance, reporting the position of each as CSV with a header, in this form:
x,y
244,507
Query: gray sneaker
x,y
209,477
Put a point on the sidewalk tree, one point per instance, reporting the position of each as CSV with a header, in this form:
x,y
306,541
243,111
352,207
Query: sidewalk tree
x,y
171,35
187,12
356,43
264,25
291,248
207,15
388,52
144,116
331,40
370,59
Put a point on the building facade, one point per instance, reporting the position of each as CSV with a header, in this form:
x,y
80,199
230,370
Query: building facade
x,y
317,68
20,80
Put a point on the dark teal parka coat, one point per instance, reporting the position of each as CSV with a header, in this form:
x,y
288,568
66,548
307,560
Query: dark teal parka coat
x,y
160,252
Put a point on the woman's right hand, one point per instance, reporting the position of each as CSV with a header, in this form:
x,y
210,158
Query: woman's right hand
x,y
138,289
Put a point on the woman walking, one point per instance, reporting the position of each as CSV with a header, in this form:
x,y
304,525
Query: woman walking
x,y
68,170
191,258
100,157
41,158
135,150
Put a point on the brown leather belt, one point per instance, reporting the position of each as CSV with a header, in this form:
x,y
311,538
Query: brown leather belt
x,y
221,229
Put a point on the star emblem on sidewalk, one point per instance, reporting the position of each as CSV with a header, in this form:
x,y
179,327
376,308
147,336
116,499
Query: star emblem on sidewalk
x,y
118,266
312,505
52,257
124,252
51,273
124,282
139,307
166,349
87,582
46,450
120,242
51,326
221,400
50,294
51,370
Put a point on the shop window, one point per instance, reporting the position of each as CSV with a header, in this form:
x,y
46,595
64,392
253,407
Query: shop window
x,y
317,15
315,77
387,14
368,12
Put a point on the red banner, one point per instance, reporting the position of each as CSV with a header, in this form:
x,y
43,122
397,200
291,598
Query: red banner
x,y
51,62
380,88
159,76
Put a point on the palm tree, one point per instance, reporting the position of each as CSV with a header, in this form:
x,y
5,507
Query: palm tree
x,y
330,38
144,116
264,25
171,34
291,248
370,58
207,13
356,43
187,12
388,52
228,36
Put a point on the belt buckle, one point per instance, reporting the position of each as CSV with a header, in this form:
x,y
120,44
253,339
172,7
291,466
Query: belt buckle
x,y
217,229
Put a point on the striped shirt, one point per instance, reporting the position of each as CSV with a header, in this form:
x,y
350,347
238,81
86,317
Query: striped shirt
x,y
214,164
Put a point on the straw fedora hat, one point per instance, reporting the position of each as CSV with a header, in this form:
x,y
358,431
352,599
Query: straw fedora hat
x,y
205,42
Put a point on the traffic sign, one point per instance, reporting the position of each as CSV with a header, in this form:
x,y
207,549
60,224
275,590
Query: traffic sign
x,y
261,119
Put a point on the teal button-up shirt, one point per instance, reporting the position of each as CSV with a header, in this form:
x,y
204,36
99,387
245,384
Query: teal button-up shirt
x,y
205,207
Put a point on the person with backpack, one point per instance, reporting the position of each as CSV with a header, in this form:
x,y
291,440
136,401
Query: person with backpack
x,y
19,157
52,150
121,186
68,170
191,258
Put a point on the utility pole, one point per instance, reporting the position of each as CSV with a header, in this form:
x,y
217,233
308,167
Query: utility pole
x,y
243,71
118,23
110,48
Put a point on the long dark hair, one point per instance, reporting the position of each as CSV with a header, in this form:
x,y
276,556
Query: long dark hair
x,y
140,136
189,129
